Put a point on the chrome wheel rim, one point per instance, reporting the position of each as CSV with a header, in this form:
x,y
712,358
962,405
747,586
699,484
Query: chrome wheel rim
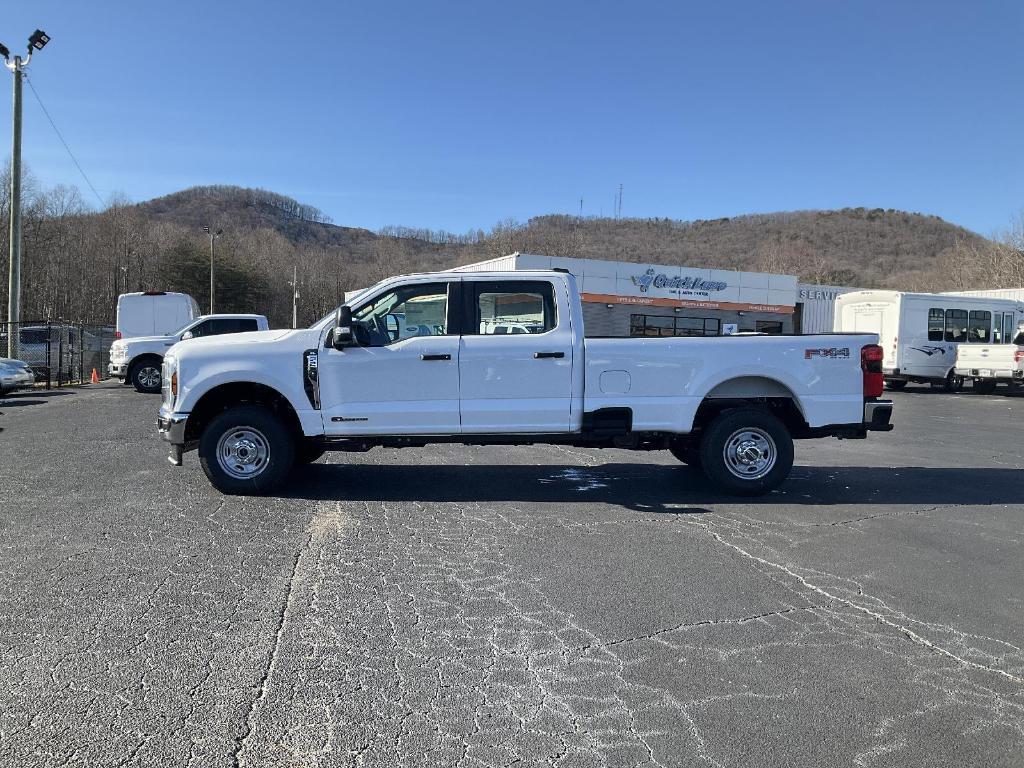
x,y
243,452
750,453
149,377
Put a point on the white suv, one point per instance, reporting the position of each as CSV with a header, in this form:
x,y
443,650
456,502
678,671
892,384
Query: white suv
x,y
137,360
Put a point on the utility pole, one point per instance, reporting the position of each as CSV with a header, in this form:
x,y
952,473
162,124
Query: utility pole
x,y
36,42
213,236
295,296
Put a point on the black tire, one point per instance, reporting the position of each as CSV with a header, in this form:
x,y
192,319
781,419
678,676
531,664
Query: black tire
x,y
307,451
686,451
141,375
896,384
249,427
953,383
765,433
984,386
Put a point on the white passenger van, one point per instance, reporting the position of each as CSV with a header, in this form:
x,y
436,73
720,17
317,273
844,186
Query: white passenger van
x,y
919,332
153,313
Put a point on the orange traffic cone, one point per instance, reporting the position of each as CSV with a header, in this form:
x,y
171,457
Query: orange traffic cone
x,y
95,377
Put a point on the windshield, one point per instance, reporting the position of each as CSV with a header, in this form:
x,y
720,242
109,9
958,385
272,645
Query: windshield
x,y
183,328
351,298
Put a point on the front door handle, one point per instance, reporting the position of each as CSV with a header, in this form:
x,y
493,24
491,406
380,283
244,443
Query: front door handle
x,y
435,357
547,355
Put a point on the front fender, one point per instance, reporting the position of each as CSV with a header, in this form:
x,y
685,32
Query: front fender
x,y
198,378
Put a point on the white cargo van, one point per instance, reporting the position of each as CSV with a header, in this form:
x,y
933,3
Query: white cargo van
x,y
919,332
153,313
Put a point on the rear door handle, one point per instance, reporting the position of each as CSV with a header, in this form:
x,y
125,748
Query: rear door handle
x,y
435,357
547,355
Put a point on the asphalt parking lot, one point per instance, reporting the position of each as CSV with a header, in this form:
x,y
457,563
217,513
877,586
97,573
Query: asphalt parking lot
x,y
499,606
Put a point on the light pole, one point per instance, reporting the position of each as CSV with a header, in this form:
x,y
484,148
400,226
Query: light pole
x,y
36,42
213,236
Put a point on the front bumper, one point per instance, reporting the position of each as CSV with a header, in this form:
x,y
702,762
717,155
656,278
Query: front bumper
x,y
878,416
117,370
171,427
17,380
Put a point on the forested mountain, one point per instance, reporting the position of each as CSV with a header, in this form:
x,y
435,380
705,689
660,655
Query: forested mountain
x,y
77,261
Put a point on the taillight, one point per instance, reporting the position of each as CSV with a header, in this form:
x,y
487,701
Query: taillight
x,y
1018,355
871,365
117,334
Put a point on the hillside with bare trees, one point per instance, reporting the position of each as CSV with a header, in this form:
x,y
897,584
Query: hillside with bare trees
x,y
76,260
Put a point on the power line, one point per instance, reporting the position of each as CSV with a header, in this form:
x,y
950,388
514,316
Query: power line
x,y
62,141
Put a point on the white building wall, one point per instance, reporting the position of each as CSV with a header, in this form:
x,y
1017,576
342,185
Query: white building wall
x,y
817,305
1016,294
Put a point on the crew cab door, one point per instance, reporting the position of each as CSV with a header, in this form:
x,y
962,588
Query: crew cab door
x,y
515,382
403,377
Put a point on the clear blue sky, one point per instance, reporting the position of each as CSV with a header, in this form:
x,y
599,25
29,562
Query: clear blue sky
x,y
456,115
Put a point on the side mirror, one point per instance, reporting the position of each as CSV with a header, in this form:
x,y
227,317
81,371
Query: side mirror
x,y
186,335
342,337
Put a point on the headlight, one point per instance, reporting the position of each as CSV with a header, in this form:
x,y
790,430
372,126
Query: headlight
x,y
169,380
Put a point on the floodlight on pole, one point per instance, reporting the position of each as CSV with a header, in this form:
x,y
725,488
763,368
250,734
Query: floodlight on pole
x,y
213,236
36,42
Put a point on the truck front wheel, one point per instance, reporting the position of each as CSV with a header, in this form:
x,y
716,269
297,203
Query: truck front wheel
x,y
686,451
145,375
747,452
247,450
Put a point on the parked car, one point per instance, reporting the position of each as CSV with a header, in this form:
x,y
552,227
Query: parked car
x,y
989,365
919,332
14,374
257,404
137,360
153,313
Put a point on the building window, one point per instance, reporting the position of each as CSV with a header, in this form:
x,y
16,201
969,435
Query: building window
x,y
936,323
659,325
768,326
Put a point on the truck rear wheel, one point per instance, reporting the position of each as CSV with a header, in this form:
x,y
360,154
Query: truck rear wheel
x,y
953,382
247,450
896,384
747,452
984,386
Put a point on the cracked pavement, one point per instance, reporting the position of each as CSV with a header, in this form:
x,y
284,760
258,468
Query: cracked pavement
x,y
464,606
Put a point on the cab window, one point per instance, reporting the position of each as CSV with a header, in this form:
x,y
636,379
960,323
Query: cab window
x,y
511,307
405,312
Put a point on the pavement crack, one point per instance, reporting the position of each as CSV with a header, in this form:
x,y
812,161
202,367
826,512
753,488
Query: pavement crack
x,y
876,615
707,623
282,617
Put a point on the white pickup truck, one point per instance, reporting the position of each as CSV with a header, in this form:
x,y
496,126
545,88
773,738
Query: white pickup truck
x,y
991,364
254,404
137,360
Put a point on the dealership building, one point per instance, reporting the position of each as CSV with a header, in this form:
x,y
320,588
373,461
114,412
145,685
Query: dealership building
x,y
623,298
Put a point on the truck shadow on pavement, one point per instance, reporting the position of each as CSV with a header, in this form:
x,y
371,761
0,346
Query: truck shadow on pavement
x,y
672,489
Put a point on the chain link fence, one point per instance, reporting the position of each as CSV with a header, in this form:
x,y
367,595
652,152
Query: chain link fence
x,y
60,352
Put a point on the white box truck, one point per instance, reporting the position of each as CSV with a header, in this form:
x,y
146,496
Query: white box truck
x,y
919,332
153,313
